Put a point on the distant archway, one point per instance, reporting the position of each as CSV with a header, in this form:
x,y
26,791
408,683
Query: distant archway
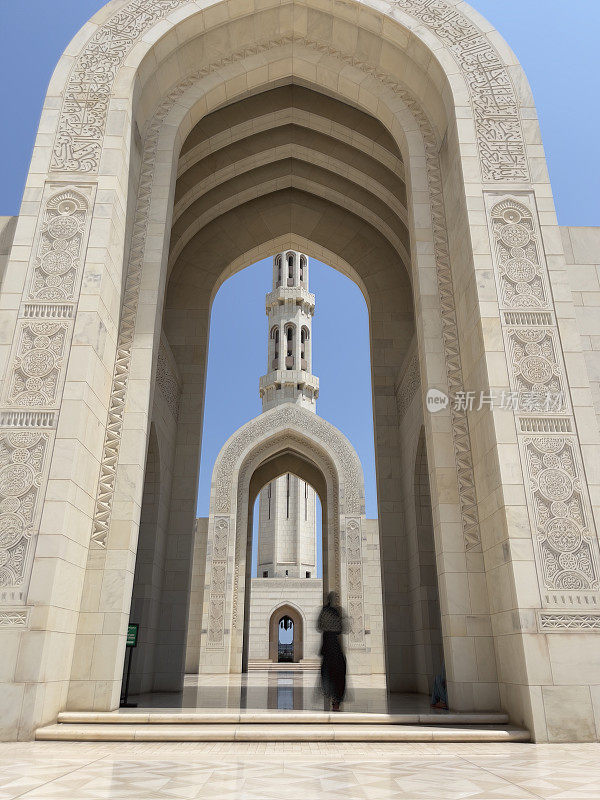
x,y
288,438
286,610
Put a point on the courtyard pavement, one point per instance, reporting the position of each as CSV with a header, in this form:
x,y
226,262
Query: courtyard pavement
x,y
297,771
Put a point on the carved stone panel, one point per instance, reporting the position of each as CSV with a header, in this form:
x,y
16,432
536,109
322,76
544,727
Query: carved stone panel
x,y
168,383
564,534
520,269
37,368
83,118
354,584
537,373
23,457
563,530
218,583
408,385
60,243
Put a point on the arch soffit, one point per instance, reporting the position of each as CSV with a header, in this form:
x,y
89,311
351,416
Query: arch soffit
x,y
290,241
431,46
261,437
355,216
303,124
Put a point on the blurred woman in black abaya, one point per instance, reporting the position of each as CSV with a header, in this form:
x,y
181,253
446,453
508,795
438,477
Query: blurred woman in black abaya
x,y
333,660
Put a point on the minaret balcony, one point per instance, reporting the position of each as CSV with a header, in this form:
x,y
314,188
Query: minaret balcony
x,y
291,294
286,377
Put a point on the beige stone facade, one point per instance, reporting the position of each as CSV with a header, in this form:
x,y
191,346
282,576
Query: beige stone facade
x,y
399,143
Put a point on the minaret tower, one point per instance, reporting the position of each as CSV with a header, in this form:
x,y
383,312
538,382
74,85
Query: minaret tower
x,y
290,308
287,533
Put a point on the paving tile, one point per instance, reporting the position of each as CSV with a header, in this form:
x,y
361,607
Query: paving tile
x,y
297,771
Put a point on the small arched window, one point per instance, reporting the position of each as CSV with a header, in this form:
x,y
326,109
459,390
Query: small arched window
x,y
278,265
275,336
290,261
302,268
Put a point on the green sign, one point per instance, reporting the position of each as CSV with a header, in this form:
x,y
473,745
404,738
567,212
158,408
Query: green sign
x,y
132,634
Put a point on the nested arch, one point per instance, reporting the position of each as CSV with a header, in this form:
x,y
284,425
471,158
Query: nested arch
x,y
284,439
286,610
174,93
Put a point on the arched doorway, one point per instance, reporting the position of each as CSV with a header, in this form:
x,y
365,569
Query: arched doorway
x,y
291,439
286,649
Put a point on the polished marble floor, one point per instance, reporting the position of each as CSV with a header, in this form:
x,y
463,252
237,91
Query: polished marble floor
x,y
280,690
298,771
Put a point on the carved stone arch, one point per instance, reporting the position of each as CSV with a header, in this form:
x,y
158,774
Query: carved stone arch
x,y
441,81
264,447
306,424
297,617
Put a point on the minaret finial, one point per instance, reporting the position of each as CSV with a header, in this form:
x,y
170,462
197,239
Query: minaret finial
x,y
290,309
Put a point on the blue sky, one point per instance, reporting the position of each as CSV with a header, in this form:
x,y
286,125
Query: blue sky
x,y
556,43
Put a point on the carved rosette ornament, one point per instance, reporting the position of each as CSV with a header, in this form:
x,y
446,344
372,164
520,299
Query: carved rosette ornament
x,y
58,261
564,535
567,545
23,456
38,364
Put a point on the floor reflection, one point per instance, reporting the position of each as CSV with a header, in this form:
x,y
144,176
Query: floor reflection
x,y
281,690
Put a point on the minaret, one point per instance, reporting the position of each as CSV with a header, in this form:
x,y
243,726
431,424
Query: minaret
x,y
287,533
290,308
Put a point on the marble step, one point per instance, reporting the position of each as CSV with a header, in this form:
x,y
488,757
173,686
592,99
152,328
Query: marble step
x,y
309,666
216,717
102,732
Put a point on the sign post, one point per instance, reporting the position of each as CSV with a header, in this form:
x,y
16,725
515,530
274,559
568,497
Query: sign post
x,y
132,636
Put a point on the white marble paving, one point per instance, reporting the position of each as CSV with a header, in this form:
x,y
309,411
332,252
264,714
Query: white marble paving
x,y
298,771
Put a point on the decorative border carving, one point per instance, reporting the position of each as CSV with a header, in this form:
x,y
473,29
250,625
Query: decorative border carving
x,y
309,424
460,426
408,385
354,584
28,419
84,113
218,582
14,618
167,382
566,622
502,153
